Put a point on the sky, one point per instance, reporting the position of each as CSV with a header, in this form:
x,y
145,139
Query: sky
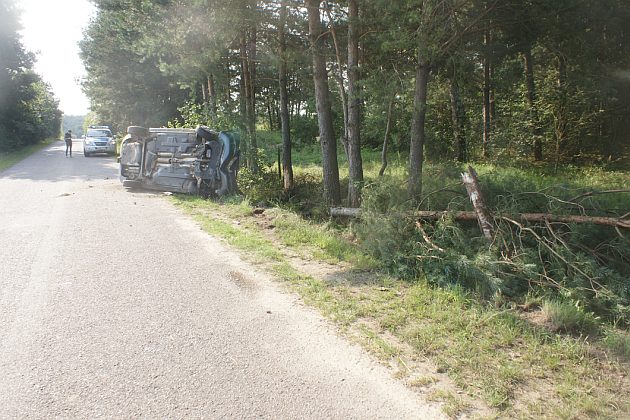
x,y
52,30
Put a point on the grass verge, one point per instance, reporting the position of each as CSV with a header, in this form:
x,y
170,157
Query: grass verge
x,y
8,159
504,357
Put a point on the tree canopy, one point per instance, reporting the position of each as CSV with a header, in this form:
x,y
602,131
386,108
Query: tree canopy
x,y
451,80
29,111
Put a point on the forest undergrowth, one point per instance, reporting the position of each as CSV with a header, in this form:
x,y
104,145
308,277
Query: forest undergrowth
x,y
534,322
583,265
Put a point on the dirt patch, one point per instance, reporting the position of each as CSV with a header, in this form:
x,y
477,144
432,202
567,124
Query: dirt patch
x,y
243,282
538,318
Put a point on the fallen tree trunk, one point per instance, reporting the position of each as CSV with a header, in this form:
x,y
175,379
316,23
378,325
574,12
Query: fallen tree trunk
x,y
526,217
345,212
474,193
604,221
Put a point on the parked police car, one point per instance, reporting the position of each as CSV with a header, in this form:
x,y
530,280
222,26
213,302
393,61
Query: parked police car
x,y
98,139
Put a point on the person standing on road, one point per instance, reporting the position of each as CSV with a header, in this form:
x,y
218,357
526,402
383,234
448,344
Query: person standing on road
x,y
68,138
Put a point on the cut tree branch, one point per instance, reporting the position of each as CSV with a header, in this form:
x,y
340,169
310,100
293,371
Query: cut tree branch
x,y
618,222
592,193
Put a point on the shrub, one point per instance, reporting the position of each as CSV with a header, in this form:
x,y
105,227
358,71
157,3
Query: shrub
x,y
619,342
260,186
307,196
569,317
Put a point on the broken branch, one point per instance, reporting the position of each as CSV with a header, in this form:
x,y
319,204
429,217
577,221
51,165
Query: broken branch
x,y
618,222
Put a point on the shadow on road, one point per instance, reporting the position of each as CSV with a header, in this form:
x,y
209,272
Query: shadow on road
x,y
138,188
51,165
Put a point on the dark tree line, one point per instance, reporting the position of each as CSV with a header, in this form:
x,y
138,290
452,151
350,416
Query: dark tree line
x,y
439,79
29,112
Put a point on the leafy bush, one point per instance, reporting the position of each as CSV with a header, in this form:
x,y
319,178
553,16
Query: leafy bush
x,y
306,197
260,186
304,130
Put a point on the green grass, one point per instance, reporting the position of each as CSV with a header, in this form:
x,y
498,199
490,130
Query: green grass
x,y
618,342
508,359
452,404
324,243
245,237
492,354
567,317
8,159
376,344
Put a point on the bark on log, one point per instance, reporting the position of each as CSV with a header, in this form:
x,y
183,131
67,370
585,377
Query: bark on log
x,y
474,192
345,212
604,221
525,217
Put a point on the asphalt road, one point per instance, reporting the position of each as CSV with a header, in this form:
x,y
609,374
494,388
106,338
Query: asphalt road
x,y
114,304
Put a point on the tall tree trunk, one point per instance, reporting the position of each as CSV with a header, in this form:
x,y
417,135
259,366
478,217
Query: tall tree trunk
x,y
355,163
330,167
493,108
270,113
560,112
388,127
487,111
251,58
212,96
243,102
250,112
228,86
416,147
203,93
340,80
531,100
458,115
287,166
